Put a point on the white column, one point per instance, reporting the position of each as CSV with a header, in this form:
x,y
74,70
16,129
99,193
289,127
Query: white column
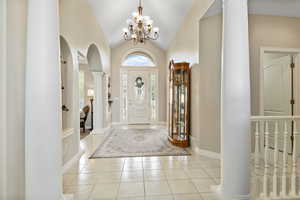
x,y
235,102
98,103
76,106
43,102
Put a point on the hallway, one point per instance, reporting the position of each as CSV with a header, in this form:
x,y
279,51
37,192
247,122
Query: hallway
x,y
137,178
215,72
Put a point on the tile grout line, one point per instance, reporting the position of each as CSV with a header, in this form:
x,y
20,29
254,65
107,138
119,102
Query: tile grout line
x,y
213,178
90,194
144,184
119,185
167,180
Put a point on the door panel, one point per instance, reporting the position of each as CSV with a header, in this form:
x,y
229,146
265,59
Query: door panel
x,y
139,94
277,94
138,97
277,87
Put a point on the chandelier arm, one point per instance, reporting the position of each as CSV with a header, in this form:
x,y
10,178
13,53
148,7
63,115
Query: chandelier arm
x,y
140,28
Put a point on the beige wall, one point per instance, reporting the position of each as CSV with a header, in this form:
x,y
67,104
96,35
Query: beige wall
x,y
184,46
117,56
80,28
269,31
207,79
264,31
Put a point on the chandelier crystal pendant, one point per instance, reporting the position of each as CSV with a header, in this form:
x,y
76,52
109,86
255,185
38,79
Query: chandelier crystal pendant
x,y
140,28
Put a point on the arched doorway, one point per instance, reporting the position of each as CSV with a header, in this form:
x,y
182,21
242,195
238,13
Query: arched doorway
x,y
97,103
86,92
69,103
66,85
138,88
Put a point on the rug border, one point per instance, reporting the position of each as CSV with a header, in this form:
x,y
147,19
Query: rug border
x,y
92,156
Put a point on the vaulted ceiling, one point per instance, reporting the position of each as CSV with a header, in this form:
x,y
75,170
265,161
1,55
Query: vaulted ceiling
x,y
287,8
168,15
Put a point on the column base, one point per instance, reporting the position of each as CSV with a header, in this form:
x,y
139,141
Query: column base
x,y
72,161
219,194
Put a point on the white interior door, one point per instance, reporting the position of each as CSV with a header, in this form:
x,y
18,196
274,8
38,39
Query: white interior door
x,y
139,93
277,92
277,87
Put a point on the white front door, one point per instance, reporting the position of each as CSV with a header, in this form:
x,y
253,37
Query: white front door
x,y
138,96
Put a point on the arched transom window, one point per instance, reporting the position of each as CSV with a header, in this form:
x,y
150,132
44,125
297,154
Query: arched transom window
x,y
138,59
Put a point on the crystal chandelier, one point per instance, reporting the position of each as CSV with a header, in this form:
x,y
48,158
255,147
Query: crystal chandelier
x,y
140,27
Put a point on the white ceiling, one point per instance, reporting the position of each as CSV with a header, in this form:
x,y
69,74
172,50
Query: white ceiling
x,y
168,15
288,8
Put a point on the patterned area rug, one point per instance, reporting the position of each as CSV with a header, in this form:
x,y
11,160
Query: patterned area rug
x,y
137,143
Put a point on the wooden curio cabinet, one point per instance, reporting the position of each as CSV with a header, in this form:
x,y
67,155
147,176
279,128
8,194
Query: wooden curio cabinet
x,y
179,104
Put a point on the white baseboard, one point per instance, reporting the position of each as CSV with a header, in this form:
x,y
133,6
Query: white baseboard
x,y
68,132
203,152
206,153
67,197
114,124
217,190
71,162
243,197
101,131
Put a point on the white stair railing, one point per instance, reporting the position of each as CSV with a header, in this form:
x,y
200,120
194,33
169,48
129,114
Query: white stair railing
x,y
279,172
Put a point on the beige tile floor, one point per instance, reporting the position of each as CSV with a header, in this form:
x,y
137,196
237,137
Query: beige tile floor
x,y
148,178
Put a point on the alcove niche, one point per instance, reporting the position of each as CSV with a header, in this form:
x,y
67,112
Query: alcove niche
x,y
95,67
66,85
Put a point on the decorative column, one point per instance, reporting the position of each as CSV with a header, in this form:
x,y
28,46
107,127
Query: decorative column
x,y
43,103
98,103
235,102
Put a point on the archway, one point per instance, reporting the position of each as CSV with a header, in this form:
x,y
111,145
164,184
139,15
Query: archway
x,y
69,104
66,85
139,88
86,88
94,59
96,67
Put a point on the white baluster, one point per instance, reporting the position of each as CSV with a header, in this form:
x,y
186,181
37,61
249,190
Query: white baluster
x,y
294,177
285,161
266,169
257,149
257,154
275,173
